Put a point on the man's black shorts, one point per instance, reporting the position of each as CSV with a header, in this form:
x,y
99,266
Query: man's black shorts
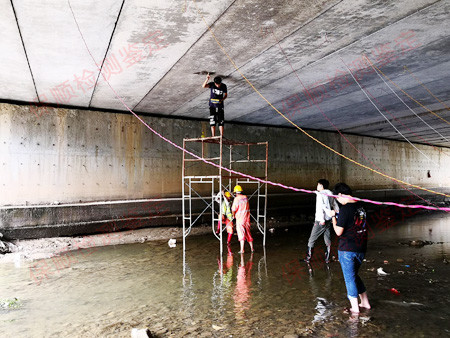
x,y
216,116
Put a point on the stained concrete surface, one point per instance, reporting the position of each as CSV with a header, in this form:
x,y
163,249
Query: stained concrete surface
x,y
72,156
74,171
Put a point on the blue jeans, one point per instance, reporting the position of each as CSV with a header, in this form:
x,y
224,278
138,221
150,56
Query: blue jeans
x,y
350,263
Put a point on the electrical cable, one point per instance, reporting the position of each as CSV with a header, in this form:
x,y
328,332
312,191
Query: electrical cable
x,y
328,119
398,131
392,90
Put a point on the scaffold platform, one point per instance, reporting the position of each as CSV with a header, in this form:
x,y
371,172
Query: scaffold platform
x,y
202,182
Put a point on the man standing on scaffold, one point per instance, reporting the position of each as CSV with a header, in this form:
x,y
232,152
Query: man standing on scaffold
x,y
216,106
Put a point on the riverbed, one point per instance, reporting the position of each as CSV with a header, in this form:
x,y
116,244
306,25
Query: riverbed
x,y
107,291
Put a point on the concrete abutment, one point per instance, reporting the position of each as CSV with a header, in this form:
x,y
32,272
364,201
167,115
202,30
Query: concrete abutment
x,y
72,171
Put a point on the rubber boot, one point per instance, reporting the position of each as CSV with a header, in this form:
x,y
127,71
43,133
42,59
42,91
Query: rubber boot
x,y
327,254
218,228
229,239
309,254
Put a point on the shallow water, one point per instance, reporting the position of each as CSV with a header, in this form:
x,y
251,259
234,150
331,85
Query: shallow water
x,y
107,291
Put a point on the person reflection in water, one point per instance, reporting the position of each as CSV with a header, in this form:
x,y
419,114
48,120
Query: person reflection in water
x,y
227,269
243,284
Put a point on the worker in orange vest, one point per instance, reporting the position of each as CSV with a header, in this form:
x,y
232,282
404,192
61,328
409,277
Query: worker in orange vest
x,y
241,211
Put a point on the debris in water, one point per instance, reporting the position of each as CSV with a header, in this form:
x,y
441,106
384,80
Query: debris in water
x,y
401,303
172,242
364,319
217,328
141,333
381,272
271,230
10,303
419,243
395,291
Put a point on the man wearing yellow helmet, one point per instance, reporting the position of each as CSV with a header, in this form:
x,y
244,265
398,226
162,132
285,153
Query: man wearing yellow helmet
x,y
241,211
227,216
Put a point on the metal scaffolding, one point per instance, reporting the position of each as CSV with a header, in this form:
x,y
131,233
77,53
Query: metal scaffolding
x,y
212,180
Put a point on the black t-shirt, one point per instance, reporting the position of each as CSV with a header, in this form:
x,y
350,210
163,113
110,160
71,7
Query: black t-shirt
x,y
217,94
354,238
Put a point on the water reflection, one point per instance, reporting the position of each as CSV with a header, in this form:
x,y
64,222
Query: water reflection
x,y
353,326
188,297
323,306
262,267
242,290
140,285
231,282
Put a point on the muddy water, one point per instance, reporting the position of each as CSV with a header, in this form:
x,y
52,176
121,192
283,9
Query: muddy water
x,y
109,291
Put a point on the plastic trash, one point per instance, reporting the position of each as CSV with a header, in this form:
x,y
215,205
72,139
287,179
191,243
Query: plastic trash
x,y
140,333
381,272
271,230
407,266
18,260
172,242
395,291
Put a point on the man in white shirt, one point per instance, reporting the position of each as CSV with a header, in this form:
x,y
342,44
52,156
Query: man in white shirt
x,y
322,221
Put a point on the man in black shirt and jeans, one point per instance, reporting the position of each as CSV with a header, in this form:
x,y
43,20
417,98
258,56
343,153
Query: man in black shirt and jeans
x,y
218,95
351,228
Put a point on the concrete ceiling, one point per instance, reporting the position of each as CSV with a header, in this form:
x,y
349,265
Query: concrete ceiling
x,y
152,51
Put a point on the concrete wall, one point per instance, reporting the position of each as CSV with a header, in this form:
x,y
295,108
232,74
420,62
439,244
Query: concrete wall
x,y
78,156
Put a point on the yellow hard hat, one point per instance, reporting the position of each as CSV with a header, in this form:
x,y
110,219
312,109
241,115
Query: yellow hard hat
x,y
237,188
227,194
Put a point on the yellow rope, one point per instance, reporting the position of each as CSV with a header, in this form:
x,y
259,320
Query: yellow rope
x,y
412,74
299,128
